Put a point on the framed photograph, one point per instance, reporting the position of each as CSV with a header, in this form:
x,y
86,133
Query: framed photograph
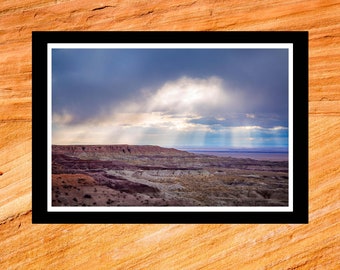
x,y
170,127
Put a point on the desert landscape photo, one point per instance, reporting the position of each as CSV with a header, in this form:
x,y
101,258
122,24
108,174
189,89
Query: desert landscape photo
x,y
169,127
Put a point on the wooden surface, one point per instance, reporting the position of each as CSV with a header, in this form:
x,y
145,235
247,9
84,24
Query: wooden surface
x,y
310,246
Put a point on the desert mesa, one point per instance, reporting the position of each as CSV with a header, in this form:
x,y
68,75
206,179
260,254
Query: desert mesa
x,y
149,175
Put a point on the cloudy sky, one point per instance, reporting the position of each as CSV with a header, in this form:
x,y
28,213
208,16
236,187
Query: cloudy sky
x,y
171,97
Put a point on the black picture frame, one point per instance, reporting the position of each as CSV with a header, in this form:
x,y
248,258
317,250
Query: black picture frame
x,y
40,144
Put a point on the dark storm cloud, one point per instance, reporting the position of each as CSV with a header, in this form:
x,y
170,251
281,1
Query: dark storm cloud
x,y
89,82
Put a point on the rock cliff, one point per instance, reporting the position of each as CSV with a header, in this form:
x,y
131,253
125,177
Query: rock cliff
x,y
120,149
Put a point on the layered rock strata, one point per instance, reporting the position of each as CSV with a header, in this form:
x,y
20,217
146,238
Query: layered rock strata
x,y
133,175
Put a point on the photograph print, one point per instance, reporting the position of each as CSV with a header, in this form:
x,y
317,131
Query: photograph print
x,y
171,128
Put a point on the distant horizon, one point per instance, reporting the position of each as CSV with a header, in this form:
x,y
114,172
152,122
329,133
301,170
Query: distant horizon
x,y
197,148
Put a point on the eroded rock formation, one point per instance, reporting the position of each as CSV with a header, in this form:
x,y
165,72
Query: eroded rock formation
x,y
133,175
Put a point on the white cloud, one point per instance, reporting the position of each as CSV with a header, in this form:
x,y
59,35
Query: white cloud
x,y
172,106
189,95
165,117
63,118
278,128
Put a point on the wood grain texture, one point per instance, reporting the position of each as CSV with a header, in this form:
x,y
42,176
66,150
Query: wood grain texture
x,y
26,246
